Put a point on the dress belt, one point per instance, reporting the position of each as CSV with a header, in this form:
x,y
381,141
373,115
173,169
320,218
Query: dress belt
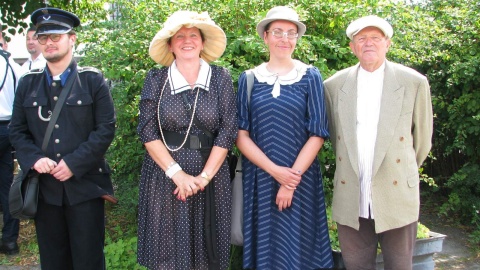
x,y
195,142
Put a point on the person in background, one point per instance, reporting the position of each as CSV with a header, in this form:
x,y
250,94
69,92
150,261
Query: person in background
x,y
187,124
282,127
16,67
74,175
36,59
381,124
8,82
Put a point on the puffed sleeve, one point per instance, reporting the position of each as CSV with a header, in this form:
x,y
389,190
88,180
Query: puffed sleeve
x,y
242,103
227,130
148,129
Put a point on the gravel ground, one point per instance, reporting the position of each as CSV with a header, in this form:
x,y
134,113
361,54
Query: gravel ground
x,y
455,252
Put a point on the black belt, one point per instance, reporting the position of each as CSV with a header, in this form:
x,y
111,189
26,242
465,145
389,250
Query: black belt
x,y
4,122
195,142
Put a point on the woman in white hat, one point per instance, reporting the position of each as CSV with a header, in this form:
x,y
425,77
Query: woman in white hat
x,y
187,123
282,126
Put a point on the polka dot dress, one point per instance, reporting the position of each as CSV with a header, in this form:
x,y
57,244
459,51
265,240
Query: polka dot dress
x,y
171,233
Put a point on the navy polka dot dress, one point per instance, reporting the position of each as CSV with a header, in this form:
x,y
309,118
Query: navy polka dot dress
x,y
171,233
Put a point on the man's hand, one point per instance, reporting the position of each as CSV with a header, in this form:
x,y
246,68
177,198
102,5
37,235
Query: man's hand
x,y
44,165
61,172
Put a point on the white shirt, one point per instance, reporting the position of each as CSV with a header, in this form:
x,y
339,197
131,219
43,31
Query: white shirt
x,y
7,93
30,64
369,95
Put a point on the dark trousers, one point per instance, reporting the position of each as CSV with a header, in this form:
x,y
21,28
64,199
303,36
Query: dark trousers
x,y
71,237
10,225
359,248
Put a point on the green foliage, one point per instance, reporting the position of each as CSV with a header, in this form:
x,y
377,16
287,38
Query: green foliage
x,y
122,254
14,12
422,231
464,199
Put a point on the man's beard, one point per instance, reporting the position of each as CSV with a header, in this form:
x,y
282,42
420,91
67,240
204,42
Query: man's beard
x,y
57,57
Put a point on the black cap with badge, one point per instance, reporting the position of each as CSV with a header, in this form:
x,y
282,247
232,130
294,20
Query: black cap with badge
x,y
54,21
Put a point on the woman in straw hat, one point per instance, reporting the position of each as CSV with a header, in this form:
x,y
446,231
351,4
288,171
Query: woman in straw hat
x,y
187,123
282,126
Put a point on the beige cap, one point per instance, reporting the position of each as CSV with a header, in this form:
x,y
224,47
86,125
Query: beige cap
x,y
372,20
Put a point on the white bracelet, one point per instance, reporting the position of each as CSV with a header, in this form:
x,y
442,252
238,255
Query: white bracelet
x,y
171,164
170,172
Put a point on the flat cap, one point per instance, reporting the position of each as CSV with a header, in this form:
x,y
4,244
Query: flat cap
x,y
54,21
372,20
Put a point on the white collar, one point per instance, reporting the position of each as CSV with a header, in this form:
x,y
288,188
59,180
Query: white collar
x,y
178,83
377,71
295,75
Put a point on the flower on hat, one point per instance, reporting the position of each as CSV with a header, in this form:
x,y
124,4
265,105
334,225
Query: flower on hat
x,y
215,40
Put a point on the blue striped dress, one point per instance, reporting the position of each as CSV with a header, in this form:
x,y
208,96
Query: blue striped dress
x,y
296,238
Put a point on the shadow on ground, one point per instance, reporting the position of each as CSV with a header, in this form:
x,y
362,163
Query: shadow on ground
x,y
455,252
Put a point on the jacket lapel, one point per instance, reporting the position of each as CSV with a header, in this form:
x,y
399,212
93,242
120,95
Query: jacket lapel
x,y
390,109
347,111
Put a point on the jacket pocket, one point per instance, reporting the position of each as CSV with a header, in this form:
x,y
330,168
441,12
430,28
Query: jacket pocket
x,y
79,100
413,180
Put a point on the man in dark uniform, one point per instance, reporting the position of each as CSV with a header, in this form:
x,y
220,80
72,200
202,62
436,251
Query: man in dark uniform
x,y
74,175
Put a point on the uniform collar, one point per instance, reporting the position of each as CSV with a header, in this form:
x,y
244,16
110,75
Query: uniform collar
x,y
65,74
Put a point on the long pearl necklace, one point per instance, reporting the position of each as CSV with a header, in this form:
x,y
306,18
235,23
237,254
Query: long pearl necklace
x,y
189,126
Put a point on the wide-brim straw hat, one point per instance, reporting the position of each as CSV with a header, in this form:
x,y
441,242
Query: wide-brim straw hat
x,y
215,40
281,13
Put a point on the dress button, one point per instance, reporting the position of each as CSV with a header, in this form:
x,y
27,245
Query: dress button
x,y
100,170
57,126
79,102
57,141
339,158
59,155
54,84
35,103
343,182
402,138
395,182
398,160
338,138
55,98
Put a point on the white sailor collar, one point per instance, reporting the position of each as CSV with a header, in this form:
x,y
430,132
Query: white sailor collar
x,y
178,83
295,75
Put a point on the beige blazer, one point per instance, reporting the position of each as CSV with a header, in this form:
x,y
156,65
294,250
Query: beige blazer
x,y
403,141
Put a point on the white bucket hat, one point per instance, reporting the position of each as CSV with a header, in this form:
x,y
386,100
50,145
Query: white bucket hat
x,y
371,20
281,13
215,40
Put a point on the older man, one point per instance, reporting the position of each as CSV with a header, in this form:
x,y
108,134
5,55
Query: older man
x,y
380,117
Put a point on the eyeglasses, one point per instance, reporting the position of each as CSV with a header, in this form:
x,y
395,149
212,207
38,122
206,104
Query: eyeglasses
x,y
42,39
280,34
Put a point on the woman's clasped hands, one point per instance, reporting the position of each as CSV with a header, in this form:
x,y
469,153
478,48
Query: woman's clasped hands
x,y
289,179
188,185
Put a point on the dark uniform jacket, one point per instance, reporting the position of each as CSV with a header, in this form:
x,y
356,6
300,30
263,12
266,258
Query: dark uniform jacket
x,y
83,132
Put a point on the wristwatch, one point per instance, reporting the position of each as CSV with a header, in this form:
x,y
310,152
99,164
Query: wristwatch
x,y
205,176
